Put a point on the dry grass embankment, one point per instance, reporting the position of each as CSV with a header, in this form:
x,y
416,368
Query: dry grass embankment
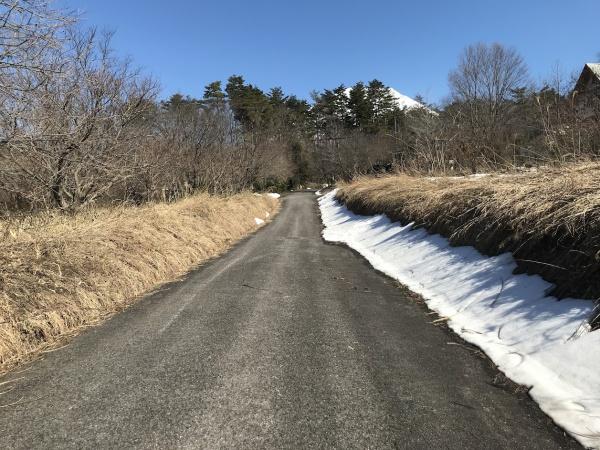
x,y
59,273
549,219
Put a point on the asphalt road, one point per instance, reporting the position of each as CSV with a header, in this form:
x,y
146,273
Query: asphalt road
x,y
285,342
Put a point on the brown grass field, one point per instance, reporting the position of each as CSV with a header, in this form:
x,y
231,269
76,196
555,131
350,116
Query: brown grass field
x,y
60,273
549,219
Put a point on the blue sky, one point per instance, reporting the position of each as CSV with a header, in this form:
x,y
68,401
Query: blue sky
x,y
305,45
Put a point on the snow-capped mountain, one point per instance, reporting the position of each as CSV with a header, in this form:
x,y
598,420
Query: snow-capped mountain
x,y
403,101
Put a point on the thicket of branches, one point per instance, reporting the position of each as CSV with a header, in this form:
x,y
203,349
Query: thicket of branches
x,y
78,125
496,118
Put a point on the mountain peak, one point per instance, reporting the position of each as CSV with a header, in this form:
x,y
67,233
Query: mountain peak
x,y
402,101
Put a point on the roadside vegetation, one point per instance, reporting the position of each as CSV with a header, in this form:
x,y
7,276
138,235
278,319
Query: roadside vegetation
x,y
549,218
59,273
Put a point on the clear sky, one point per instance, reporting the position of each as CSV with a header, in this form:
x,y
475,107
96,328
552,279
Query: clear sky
x,y
303,45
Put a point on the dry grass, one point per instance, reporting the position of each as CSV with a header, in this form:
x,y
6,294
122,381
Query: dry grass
x,y
547,218
59,273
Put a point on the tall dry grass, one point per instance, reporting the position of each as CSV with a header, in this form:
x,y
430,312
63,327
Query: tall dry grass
x,y
550,219
59,273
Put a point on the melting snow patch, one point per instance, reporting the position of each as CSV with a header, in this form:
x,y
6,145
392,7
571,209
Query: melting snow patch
x,y
273,195
524,331
258,221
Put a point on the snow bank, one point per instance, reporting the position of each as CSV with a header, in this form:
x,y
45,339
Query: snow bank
x,y
525,332
273,195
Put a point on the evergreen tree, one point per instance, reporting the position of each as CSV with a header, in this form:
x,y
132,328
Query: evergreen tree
x,y
333,104
235,94
277,97
179,102
250,105
381,100
341,109
419,98
383,105
330,111
299,113
296,105
361,110
213,91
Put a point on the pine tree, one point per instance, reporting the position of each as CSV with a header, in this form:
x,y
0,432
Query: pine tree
x,y
250,105
330,112
361,111
380,98
341,107
420,99
213,91
383,105
276,96
177,101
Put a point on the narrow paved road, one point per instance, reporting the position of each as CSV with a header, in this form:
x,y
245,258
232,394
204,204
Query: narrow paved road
x,y
285,342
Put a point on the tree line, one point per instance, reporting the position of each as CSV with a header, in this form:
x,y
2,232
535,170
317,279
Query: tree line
x,y
79,125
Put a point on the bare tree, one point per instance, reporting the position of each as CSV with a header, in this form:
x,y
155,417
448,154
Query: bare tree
x,y
483,83
77,135
28,30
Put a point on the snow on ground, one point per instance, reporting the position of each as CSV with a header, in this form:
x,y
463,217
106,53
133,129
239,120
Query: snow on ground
x,y
258,221
472,177
524,331
273,195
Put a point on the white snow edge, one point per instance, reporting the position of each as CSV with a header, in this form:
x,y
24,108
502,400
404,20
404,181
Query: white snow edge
x,y
510,317
258,221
